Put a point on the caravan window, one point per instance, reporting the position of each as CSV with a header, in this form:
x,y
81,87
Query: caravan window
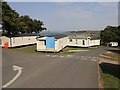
x,y
76,41
70,40
45,42
83,42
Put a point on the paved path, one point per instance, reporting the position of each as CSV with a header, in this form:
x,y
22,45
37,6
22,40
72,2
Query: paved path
x,y
78,70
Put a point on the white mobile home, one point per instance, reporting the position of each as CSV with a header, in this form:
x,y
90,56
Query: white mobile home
x,y
57,44
18,41
82,41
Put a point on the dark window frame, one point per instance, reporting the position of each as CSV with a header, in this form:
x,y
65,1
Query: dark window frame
x,y
70,40
45,42
83,42
76,41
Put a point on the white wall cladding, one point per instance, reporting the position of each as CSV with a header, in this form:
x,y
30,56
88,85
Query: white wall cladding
x,y
66,41
18,41
41,43
61,43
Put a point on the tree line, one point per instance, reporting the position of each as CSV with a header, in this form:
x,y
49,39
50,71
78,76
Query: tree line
x,y
14,24
110,34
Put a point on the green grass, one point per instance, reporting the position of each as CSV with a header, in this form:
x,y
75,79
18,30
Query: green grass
x,y
110,72
80,48
110,81
101,46
110,75
67,49
112,56
32,49
29,49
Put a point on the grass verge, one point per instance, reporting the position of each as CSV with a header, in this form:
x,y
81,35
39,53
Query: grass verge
x,y
29,49
67,50
109,69
32,49
111,56
75,49
110,79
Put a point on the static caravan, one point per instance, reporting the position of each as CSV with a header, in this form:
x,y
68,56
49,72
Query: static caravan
x,y
83,41
18,41
55,44
51,44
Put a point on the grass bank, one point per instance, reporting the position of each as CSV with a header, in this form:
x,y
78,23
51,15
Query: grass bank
x,y
109,69
111,56
110,75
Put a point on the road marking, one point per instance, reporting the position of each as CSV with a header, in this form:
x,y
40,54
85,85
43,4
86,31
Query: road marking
x,y
53,56
17,75
47,55
61,56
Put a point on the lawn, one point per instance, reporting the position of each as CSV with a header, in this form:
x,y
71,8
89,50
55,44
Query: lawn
x,y
30,49
67,50
109,70
111,56
110,75
75,49
72,49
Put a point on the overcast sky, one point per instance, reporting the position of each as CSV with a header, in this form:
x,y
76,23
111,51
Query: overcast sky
x,y
61,16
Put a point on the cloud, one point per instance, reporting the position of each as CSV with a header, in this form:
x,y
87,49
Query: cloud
x,y
77,18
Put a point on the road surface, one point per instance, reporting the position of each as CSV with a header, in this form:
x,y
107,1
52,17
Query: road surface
x,y
77,70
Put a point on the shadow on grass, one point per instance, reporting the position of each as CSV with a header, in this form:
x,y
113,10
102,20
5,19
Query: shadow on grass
x,y
111,69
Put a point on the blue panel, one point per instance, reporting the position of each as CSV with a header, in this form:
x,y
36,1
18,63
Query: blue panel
x,y
50,42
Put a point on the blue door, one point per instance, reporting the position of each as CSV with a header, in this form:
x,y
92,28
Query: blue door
x,y
50,42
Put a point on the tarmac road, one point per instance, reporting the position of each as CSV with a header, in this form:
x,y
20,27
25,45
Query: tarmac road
x,y
78,70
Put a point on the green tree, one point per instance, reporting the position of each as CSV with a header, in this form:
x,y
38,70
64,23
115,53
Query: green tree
x,y
27,23
110,34
33,25
14,24
37,26
10,20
